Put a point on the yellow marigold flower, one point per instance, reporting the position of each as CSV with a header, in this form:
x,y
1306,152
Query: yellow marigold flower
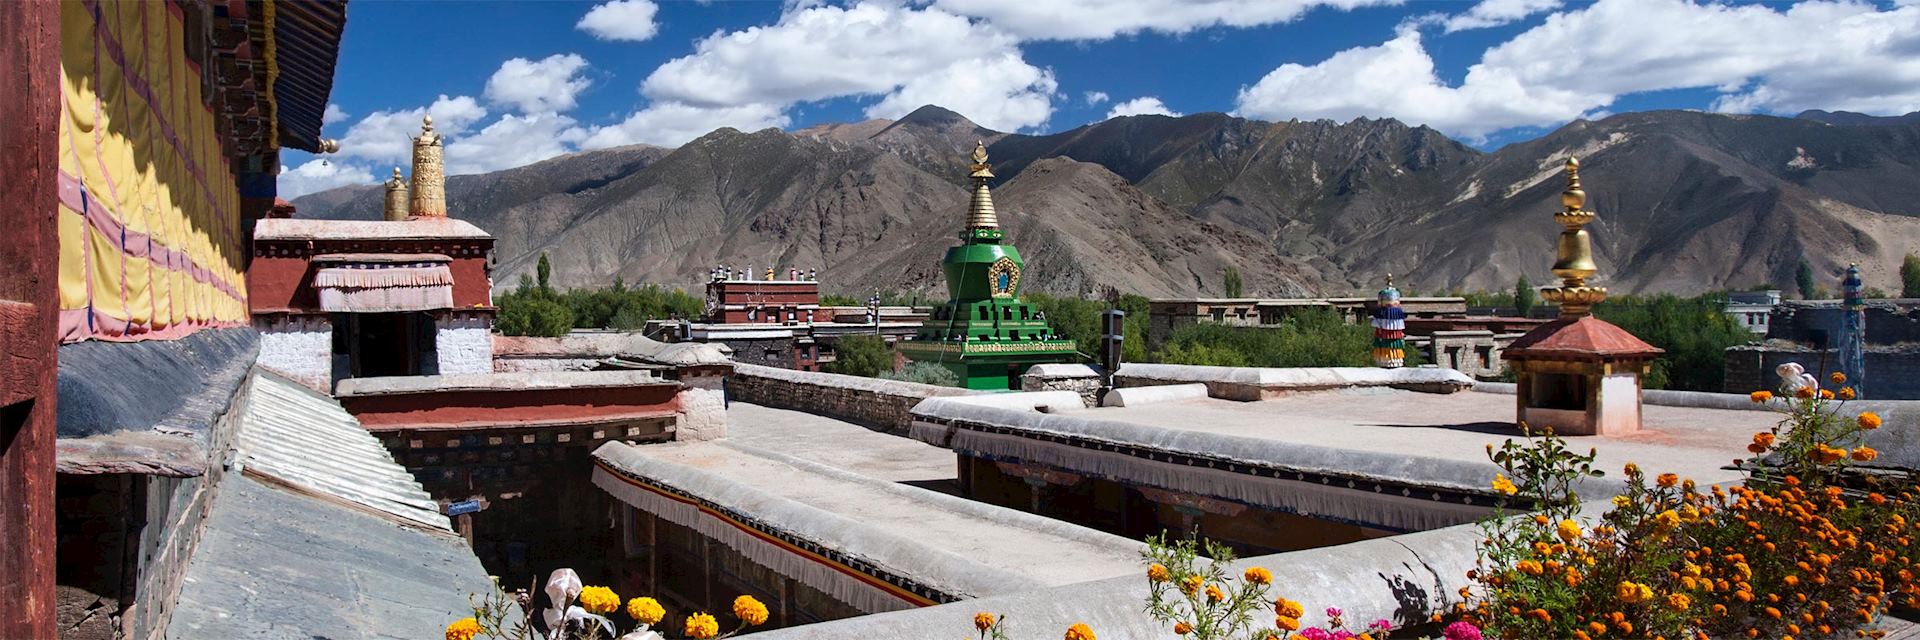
x,y
1568,530
1846,393
1287,623
1528,567
1079,631
983,621
1190,585
1182,628
1289,609
599,600
463,629
1258,575
1678,601
701,626
1157,573
646,610
1667,519
1838,377
1761,396
1621,502
1869,420
1690,570
1632,592
1503,485
750,611
1865,454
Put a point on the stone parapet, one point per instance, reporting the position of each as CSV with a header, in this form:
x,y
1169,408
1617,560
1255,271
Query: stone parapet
x,y
885,404
1253,383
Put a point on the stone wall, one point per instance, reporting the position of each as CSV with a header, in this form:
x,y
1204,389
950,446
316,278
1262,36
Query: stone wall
x,y
463,343
1078,378
703,408
886,404
298,347
1893,372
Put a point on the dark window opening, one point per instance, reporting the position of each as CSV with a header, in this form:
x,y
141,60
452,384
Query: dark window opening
x,y
1559,391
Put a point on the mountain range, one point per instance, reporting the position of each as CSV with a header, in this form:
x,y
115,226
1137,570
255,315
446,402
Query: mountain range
x,y
1163,206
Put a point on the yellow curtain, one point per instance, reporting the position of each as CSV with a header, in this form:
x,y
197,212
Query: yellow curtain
x,y
149,211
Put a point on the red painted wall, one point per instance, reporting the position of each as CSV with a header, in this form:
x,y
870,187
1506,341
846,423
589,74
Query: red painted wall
x,y
465,409
29,301
766,296
281,276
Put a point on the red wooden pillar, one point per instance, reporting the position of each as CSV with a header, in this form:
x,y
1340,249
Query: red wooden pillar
x,y
29,306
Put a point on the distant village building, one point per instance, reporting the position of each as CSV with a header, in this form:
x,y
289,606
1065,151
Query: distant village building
x,y
1753,309
1815,334
781,323
984,334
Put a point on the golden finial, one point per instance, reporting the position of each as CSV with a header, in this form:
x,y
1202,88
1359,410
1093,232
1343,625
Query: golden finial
x,y
429,192
980,214
1389,278
1574,263
396,205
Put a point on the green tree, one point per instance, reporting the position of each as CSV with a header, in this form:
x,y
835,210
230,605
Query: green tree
x,y
1910,277
1523,297
861,355
1314,338
1694,332
924,373
544,269
1803,278
1232,284
534,316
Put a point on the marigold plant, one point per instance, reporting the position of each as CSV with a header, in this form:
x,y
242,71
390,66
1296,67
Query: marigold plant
x,y
579,612
1800,549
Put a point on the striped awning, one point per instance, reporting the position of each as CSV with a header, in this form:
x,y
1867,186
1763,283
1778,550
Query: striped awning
x,y
381,287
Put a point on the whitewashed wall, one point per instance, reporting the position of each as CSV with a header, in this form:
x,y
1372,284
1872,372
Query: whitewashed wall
x,y
464,343
298,347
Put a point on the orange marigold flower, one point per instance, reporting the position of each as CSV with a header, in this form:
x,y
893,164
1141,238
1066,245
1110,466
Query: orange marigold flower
x,y
1214,594
701,626
1761,396
1632,469
1287,623
1864,454
1846,393
1528,567
646,610
1773,613
1597,628
1678,601
1667,479
752,612
1289,609
1182,628
1838,377
1568,530
1764,438
463,629
1541,615
1079,631
1258,575
1190,585
1157,573
1503,485
1803,393
983,621
1869,420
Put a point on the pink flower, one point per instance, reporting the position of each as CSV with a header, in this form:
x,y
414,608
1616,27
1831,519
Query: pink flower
x,y
1333,612
1314,633
1381,625
1461,630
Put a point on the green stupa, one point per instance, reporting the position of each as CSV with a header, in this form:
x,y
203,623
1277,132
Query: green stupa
x,y
984,334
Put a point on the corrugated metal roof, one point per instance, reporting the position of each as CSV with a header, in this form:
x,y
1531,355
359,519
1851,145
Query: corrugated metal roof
x,y
307,37
301,438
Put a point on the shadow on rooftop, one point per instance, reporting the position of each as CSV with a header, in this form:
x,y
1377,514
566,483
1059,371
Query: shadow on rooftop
x,y
1487,427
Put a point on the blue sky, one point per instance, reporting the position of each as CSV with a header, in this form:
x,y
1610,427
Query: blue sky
x,y
515,82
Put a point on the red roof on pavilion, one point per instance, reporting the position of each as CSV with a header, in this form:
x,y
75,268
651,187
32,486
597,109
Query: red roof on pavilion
x,y
1581,338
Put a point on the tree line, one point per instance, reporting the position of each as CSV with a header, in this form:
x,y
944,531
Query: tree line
x,y
535,308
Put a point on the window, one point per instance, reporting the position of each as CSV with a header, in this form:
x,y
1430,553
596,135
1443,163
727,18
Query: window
x,y
1559,391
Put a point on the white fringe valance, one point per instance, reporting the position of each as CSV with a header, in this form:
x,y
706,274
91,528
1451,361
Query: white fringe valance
x,y
1360,505
840,586
383,276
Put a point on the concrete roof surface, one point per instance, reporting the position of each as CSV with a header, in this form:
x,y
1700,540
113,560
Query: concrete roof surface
x,y
273,565
1693,442
315,229
596,344
841,445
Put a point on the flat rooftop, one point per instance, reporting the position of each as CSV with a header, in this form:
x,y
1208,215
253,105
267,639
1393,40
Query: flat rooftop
x,y
1693,442
822,483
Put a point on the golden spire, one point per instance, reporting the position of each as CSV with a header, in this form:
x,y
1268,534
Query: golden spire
x,y
980,211
429,197
396,197
1575,252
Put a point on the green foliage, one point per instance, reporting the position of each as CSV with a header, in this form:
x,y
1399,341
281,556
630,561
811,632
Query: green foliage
x,y
1803,278
545,269
924,373
1523,297
1695,332
887,299
1493,299
535,310
534,316
1079,320
1312,338
1910,277
861,355
1231,283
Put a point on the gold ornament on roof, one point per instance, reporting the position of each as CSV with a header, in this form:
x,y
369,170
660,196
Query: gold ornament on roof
x,y
396,209
1575,252
429,193
980,213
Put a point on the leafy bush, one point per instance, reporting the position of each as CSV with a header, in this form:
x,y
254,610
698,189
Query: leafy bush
x,y
1695,332
861,355
586,612
1312,338
534,316
1079,320
615,307
924,373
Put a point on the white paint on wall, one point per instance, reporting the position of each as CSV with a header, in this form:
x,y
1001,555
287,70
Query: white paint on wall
x,y
703,415
298,348
464,344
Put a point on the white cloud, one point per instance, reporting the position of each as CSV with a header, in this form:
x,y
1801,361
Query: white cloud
x,y
549,85
333,114
1148,105
320,174
386,137
630,20
1818,54
1095,97
671,124
1493,13
513,141
909,56
1102,19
